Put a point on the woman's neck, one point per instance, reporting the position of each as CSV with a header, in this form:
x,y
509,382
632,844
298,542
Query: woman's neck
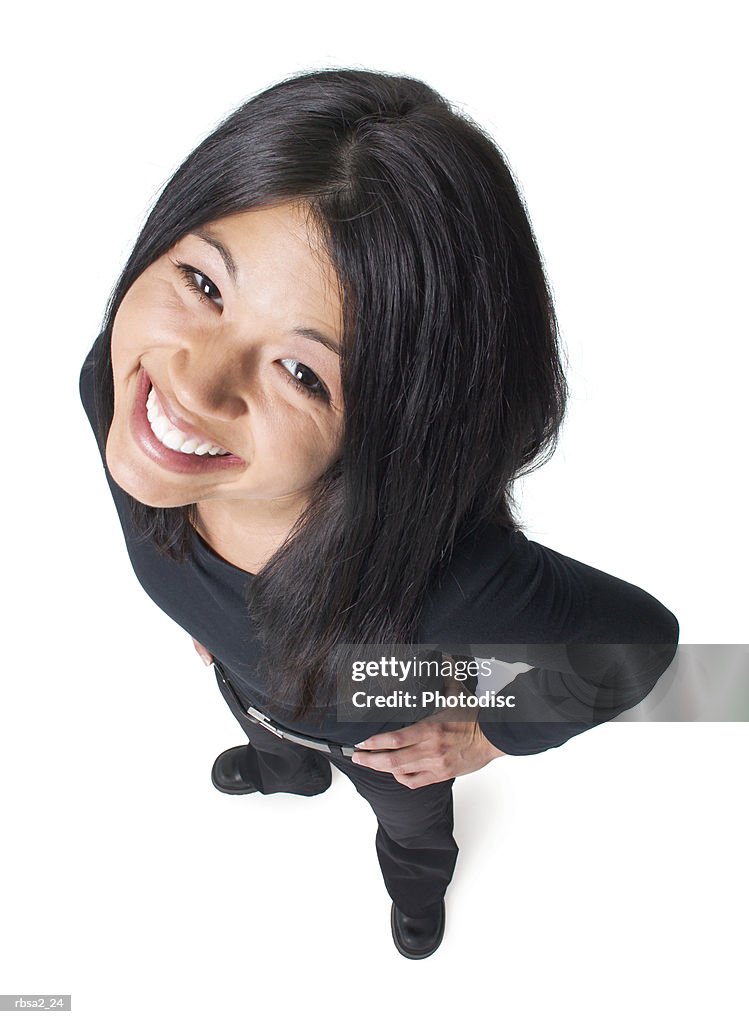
x,y
247,541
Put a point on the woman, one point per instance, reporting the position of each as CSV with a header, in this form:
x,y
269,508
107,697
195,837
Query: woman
x,y
329,355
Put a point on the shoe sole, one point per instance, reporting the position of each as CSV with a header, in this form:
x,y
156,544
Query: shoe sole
x,y
244,791
234,792
407,952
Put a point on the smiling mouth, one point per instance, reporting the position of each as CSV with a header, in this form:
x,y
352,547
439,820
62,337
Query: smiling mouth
x,y
174,437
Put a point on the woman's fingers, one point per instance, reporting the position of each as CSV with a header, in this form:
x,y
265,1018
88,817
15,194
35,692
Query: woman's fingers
x,y
204,653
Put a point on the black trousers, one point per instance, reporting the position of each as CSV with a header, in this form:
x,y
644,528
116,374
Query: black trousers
x,y
414,839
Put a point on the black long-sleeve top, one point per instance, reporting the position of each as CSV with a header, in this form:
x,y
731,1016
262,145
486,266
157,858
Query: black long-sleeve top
x,y
596,644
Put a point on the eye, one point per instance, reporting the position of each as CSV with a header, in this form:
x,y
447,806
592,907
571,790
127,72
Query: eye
x,y
315,390
206,290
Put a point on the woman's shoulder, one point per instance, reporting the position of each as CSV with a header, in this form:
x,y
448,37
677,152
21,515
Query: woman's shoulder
x,y
501,587
87,391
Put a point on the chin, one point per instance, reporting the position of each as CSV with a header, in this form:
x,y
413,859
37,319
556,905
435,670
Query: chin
x,y
141,484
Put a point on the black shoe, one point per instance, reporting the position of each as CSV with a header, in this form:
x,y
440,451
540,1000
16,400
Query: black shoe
x,y
417,937
229,772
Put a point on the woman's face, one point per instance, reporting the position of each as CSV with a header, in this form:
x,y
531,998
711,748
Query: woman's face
x,y
208,348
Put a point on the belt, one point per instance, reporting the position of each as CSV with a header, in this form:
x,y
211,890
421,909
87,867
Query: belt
x,y
247,710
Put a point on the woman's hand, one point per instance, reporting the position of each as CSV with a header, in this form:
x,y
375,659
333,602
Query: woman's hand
x,y
204,653
441,747
432,750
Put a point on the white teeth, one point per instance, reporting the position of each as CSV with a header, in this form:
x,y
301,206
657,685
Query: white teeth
x,y
171,437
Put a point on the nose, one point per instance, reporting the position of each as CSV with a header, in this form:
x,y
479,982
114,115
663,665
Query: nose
x,y
206,384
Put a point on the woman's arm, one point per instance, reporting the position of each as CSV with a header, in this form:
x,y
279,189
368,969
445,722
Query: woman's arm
x,y
596,644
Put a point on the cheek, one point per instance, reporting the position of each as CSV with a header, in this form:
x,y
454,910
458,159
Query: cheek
x,y
149,315
294,443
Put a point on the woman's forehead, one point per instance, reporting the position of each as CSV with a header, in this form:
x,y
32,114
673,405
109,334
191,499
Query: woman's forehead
x,y
283,231
285,222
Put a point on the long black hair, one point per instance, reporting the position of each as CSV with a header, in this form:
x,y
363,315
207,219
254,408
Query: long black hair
x,y
452,380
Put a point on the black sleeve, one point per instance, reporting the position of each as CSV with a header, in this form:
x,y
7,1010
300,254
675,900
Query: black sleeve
x,y
87,390
88,398
596,643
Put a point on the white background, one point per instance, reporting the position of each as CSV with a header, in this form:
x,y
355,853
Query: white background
x,y
604,880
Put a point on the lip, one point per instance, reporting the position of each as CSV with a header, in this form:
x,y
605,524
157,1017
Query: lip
x,y
148,442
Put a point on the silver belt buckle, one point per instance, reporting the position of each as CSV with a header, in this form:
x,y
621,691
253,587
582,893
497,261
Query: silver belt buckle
x,y
285,734
305,741
263,720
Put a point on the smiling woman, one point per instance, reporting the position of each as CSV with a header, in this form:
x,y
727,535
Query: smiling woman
x,y
222,400
329,356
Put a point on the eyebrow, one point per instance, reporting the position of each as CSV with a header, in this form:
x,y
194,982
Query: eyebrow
x,y
226,256
231,268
